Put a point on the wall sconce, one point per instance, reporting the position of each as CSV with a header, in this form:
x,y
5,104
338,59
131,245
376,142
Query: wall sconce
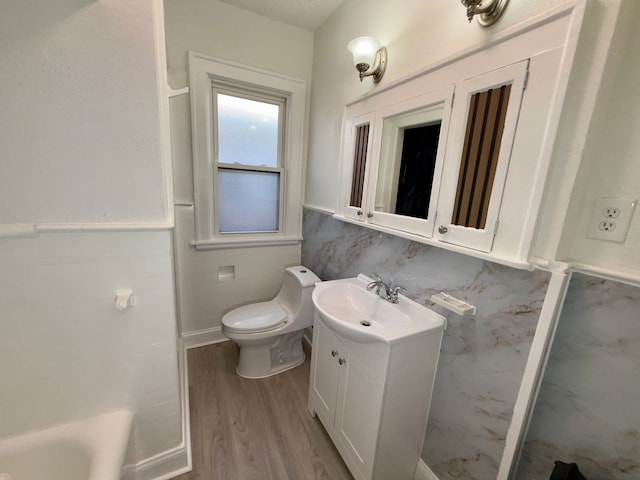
x,y
369,57
488,11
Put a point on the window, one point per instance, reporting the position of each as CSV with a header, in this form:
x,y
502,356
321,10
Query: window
x,y
248,172
247,128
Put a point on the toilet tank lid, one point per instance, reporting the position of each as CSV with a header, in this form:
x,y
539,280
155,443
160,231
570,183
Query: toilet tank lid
x,y
255,317
305,277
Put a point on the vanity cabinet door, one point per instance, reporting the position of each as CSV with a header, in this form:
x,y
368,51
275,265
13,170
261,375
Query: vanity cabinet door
x,y
325,371
358,413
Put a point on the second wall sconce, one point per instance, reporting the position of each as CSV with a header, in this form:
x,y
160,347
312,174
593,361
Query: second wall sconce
x,y
369,57
488,11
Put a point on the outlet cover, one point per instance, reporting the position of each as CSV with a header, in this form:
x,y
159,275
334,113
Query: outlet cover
x,y
610,218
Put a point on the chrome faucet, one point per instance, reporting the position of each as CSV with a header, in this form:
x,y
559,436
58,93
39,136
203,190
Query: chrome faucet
x,y
387,292
393,293
377,283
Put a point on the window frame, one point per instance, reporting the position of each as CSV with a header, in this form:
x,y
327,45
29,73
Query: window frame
x,y
207,76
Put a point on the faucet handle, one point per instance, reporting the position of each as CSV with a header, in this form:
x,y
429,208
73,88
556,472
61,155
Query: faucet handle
x,y
393,293
375,276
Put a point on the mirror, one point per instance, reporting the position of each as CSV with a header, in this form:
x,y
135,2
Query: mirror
x,y
408,156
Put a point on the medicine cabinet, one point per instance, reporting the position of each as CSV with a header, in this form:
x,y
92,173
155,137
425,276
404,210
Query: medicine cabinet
x,y
480,150
457,156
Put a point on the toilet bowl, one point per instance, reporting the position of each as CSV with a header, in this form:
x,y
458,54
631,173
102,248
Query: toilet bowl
x,y
269,334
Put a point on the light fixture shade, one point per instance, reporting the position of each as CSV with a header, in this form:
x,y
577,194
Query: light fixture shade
x,y
363,50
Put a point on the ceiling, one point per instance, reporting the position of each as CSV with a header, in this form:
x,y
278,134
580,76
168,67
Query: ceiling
x,y
307,14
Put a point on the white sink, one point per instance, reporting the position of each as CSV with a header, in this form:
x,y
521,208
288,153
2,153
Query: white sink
x,y
348,308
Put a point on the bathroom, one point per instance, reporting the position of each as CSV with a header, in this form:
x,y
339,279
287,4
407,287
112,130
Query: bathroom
x,y
96,191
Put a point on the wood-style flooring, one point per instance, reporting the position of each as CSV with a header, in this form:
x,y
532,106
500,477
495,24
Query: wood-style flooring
x,y
254,429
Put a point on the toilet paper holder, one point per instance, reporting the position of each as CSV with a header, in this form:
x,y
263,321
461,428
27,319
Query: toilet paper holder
x,y
124,300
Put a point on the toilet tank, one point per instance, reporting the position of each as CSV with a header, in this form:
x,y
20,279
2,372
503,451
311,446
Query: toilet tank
x,y
295,293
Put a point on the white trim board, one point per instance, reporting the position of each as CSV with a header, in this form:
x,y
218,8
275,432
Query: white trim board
x,y
19,230
200,338
423,472
178,460
533,372
164,121
163,466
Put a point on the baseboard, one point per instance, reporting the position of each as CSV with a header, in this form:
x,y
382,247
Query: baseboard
x,y
423,472
163,466
308,337
199,338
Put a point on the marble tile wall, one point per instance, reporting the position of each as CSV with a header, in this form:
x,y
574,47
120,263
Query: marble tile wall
x,y
588,407
482,359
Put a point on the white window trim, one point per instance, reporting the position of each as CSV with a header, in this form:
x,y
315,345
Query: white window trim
x,y
202,71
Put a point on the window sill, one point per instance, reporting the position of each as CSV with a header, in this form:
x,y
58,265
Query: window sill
x,y
243,243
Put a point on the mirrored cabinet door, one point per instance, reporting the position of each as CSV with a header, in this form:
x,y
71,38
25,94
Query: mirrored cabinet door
x,y
410,137
357,148
486,115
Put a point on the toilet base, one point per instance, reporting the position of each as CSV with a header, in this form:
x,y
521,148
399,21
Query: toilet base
x,y
260,361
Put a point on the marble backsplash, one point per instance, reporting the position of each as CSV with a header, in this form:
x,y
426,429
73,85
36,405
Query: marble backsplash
x,y
588,406
482,358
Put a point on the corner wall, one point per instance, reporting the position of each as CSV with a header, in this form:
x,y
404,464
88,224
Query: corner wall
x,y
220,30
416,34
611,159
80,113
595,133
67,354
84,211
587,407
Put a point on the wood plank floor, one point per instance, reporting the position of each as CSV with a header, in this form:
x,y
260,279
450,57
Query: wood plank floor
x,y
254,429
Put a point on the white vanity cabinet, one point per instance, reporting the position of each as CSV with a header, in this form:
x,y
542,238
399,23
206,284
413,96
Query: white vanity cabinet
x,y
373,399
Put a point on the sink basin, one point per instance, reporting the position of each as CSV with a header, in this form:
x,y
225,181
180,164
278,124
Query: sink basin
x,y
349,309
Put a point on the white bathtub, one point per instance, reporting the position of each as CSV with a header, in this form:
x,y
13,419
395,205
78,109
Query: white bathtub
x,y
91,449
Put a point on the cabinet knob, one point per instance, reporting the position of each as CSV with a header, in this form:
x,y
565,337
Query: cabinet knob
x,y
359,212
342,361
334,353
442,229
369,215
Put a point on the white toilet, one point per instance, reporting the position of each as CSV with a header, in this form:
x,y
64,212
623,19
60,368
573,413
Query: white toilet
x,y
269,334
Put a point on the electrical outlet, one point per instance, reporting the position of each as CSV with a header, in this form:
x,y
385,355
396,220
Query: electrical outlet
x,y
611,212
607,226
611,218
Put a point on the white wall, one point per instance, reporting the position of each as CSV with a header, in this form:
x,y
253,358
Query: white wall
x,y
203,298
66,353
611,159
220,30
418,34
84,210
587,409
80,113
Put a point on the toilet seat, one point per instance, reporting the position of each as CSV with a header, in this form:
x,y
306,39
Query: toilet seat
x,y
255,318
